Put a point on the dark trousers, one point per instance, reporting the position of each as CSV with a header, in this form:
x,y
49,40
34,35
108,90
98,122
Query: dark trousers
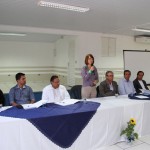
x,y
2,98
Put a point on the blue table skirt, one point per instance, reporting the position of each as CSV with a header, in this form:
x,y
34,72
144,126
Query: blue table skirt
x,y
61,124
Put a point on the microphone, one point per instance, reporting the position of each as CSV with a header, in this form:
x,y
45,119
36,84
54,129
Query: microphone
x,y
93,68
19,106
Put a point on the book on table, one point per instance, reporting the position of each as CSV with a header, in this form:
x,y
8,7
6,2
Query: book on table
x,y
34,105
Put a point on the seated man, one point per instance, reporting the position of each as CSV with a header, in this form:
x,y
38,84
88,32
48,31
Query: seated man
x,y
125,86
55,92
2,98
139,83
108,87
21,93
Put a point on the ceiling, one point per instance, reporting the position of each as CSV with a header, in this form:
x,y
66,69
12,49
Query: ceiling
x,y
105,16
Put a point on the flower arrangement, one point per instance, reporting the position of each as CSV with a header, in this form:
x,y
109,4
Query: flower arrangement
x,y
129,131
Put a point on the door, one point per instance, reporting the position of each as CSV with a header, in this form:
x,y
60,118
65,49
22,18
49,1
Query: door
x,y
71,63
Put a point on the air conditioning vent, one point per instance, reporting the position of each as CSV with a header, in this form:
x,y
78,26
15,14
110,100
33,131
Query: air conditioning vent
x,y
145,39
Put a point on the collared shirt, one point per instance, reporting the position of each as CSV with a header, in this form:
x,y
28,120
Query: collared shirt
x,y
21,95
55,95
125,87
142,85
89,77
111,86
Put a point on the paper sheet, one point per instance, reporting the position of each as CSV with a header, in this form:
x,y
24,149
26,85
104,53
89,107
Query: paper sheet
x,y
141,96
34,105
66,102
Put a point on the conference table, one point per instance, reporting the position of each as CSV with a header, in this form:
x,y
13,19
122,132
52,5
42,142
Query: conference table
x,y
103,129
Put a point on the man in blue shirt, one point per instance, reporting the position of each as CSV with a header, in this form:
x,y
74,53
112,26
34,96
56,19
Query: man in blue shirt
x,y
21,93
125,86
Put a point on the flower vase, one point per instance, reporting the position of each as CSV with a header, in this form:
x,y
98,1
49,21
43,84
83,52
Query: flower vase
x,y
130,139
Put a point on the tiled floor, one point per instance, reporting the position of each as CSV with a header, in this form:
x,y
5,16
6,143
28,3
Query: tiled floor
x,y
141,144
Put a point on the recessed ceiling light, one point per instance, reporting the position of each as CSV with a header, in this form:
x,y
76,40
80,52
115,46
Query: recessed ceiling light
x,y
141,30
12,34
63,6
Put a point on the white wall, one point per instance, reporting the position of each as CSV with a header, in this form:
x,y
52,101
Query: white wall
x,y
61,57
25,54
22,54
91,43
41,55
86,42
34,59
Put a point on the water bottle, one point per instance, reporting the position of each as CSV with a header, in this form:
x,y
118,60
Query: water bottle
x,y
1,107
84,100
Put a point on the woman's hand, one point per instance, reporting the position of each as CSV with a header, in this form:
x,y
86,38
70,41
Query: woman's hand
x,y
92,68
95,82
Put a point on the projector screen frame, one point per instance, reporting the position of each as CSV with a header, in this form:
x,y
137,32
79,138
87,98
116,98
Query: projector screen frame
x,y
145,51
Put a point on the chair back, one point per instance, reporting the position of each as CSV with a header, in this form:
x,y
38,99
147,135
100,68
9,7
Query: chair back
x,y
2,98
76,92
97,89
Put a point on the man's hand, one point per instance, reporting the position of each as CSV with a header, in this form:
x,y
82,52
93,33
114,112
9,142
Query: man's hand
x,y
14,104
32,101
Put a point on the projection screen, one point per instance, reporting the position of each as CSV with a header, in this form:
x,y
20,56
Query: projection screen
x,y
136,60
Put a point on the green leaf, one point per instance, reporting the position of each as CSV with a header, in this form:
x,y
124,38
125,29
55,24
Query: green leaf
x,y
136,135
123,132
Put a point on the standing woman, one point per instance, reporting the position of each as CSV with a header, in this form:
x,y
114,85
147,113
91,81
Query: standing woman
x,y
90,78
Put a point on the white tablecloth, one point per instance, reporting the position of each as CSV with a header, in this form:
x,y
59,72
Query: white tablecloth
x,y
103,129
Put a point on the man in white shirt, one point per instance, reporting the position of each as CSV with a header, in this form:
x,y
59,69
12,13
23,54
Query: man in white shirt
x,y
125,86
139,83
55,92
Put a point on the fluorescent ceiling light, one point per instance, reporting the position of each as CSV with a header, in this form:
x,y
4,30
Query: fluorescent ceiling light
x,y
141,30
63,6
12,34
